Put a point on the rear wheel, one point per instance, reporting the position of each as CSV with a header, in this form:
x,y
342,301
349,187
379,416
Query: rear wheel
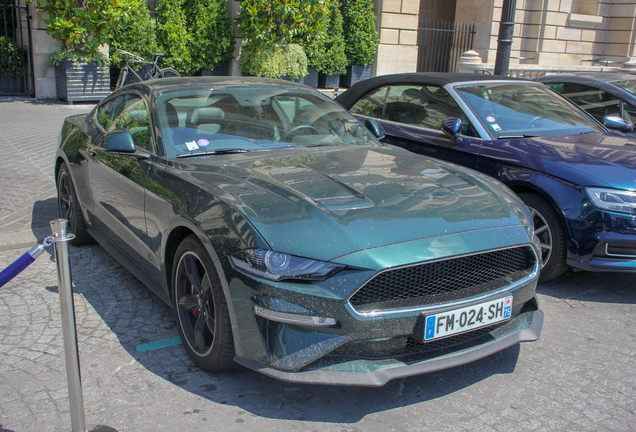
x,y
69,208
168,73
549,230
200,308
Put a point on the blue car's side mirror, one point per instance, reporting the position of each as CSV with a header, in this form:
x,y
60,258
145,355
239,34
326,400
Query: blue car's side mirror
x,y
452,127
376,128
618,123
119,141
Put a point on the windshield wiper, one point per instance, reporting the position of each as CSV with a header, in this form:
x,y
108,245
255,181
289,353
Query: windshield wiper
x,y
516,136
213,152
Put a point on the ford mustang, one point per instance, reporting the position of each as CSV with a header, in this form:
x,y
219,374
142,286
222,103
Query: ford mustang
x,y
289,240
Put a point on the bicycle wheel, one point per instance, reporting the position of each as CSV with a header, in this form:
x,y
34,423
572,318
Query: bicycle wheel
x,y
121,81
168,73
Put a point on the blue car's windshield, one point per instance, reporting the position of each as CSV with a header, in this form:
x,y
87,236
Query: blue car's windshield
x,y
517,110
229,120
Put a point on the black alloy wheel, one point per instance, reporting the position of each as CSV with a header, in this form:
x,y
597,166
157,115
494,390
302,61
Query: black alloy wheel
x,y
549,230
69,208
200,308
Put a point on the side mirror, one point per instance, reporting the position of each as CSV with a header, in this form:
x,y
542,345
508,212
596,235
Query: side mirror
x,y
618,123
376,128
119,141
452,128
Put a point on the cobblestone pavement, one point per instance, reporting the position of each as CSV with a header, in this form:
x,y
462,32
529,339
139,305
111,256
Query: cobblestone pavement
x,y
580,375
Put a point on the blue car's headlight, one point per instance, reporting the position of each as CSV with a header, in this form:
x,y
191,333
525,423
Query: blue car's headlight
x,y
277,266
616,200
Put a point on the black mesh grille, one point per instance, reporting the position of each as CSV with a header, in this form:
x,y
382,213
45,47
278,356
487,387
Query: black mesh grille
x,y
406,346
445,280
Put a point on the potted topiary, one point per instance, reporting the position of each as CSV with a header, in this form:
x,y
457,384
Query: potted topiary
x,y
273,33
82,27
361,40
173,37
212,40
333,62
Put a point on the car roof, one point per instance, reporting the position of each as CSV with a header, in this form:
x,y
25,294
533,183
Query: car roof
x,y
432,78
194,83
588,77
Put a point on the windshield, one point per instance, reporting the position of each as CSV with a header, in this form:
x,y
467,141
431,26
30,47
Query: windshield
x,y
513,110
230,120
627,85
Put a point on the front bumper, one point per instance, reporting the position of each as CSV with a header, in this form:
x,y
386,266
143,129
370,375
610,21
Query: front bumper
x,y
525,327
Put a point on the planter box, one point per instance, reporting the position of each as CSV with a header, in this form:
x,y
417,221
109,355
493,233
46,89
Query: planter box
x,y
311,79
81,81
354,75
328,81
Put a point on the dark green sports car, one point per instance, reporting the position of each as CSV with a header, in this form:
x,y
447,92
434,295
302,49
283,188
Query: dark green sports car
x,y
289,240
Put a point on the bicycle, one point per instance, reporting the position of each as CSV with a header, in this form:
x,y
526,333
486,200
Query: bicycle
x,y
154,72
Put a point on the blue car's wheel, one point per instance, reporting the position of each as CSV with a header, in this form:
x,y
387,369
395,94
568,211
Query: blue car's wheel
x,y
69,208
549,230
200,308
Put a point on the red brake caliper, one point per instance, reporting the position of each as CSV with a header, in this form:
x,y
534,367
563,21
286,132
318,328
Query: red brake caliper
x,y
195,313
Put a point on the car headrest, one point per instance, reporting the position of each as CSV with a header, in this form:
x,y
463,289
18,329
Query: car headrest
x,y
207,115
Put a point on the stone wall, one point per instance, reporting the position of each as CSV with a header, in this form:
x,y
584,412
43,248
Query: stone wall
x,y
397,24
563,32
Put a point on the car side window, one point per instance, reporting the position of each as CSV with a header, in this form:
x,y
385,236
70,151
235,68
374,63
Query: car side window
x,y
595,101
109,110
371,104
134,117
425,106
629,112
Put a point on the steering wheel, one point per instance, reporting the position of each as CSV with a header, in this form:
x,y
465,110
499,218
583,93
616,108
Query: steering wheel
x,y
308,130
532,122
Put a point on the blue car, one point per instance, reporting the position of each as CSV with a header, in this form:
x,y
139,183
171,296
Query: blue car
x,y
577,178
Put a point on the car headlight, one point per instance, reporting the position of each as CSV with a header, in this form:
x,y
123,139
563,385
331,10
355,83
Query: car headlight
x,y
616,200
277,266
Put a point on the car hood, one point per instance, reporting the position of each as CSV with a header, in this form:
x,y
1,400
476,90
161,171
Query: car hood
x,y
328,202
591,159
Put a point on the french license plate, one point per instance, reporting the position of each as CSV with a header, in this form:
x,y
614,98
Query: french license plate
x,y
468,318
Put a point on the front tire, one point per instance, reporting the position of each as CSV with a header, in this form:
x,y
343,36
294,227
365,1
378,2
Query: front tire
x,y
549,229
200,308
69,208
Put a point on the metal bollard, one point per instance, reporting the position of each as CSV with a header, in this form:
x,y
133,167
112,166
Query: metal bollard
x,y
69,330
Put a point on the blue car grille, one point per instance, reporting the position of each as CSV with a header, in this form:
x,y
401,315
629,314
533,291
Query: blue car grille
x,y
444,280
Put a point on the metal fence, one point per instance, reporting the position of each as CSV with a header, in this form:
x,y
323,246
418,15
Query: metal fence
x,y
441,43
16,59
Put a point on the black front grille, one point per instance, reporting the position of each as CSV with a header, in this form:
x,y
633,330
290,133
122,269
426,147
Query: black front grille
x,y
445,280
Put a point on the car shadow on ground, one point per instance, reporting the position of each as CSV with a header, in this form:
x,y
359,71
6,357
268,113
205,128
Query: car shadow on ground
x,y
136,316
618,288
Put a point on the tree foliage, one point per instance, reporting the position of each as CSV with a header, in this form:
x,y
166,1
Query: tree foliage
x,y
276,30
134,33
210,26
173,36
361,37
82,26
328,52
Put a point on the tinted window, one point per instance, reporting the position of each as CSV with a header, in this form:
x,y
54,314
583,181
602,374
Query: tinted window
x,y
425,106
371,104
595,101
134,117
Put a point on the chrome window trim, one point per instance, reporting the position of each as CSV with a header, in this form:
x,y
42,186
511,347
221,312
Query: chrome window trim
x,y
458,303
